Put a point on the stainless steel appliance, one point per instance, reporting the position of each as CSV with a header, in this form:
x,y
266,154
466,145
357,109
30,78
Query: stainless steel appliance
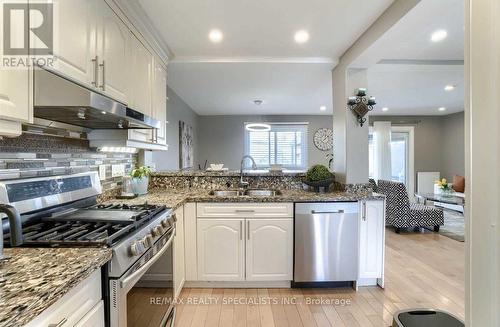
x,y
62,211
326,242
61,100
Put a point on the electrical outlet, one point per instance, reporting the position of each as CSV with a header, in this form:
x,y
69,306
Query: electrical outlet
x,y
102,172
117,170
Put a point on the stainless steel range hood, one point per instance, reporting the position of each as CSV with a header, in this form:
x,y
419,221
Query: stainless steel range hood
x,y
61,100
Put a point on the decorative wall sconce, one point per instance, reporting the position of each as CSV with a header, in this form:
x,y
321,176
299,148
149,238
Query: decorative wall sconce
x,y
361,105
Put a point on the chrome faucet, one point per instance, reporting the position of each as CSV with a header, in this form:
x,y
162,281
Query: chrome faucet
x,y
254,166
16,234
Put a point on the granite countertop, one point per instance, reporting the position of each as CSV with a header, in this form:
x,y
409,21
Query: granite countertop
x,y
35,278
174,198
228,173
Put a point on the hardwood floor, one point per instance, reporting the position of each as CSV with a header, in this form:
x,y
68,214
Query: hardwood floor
x,y
422,270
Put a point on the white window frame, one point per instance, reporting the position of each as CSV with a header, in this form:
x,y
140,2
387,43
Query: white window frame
x,y
304,147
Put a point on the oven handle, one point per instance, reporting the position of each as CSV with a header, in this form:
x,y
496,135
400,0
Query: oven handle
x,y
139,272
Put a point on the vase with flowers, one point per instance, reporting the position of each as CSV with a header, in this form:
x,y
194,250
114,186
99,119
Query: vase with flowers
x,y
444,188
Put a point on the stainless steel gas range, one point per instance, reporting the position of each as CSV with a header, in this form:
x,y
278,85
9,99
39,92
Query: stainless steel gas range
x,y
62,211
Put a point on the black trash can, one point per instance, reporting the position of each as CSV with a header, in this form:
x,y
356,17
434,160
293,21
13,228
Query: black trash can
x,y
425,318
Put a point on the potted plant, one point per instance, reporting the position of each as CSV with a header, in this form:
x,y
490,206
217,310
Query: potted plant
x,y
444,187
140,180
318,176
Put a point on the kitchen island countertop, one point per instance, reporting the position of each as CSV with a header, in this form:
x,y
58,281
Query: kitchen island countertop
x,y
174,198
33,279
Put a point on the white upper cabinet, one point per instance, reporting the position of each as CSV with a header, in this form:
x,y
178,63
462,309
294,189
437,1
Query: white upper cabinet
x,y
221,249
160,101
140,76
113,53
269,249
75,48
15,106
371,239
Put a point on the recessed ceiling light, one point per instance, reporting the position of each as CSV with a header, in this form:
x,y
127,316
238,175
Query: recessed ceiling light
x,y
385,109
449,88
442,109
258,102
439,35
301,36
215,36
322,108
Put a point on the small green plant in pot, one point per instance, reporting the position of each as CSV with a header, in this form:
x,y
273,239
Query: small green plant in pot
x,y
140,180
318,176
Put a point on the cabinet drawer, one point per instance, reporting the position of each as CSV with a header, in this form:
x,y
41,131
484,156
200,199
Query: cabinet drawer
x,y
94,318
74,305
245,210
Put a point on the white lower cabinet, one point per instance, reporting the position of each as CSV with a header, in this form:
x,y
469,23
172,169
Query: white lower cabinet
x,y
94,317
221,249
238,242
81,306
269,249
179,270
371,240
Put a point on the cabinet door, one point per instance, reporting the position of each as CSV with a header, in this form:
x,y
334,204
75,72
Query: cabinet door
x,y
15,104
75,50
179,270
371,239
160,101
221,249
113,51
269,249
140,78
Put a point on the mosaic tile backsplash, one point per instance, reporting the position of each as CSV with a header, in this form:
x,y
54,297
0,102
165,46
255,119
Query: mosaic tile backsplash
x,y
35,155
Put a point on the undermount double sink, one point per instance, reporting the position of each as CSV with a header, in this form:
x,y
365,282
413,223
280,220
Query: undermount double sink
x,y
250,192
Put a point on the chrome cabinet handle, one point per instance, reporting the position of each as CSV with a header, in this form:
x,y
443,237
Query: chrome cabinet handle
x,y
103,85
243,210
241,230
248,229
60,323
324,212
94,62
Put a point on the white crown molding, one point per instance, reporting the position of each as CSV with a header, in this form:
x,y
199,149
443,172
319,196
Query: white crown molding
x,y
139,19
284,60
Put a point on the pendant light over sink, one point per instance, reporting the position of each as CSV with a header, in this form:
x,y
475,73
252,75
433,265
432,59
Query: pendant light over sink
x,y
258,127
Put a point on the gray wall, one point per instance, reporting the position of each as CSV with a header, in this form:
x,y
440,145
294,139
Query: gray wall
x,y
177,110
221,138
453,145
439,142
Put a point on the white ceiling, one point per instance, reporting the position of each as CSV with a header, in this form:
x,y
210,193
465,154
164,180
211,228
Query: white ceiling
x,y
409,39
413,84
262,28
258,58
416,89
230,88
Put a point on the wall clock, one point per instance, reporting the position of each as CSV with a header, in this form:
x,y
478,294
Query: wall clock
x,y
323,139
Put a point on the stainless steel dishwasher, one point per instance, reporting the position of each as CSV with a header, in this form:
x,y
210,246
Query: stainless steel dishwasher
x,y
326,242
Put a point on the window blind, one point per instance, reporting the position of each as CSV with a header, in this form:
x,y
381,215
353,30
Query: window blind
x,y
284,144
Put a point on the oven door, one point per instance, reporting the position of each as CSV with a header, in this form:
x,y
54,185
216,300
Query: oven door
x,y
144,295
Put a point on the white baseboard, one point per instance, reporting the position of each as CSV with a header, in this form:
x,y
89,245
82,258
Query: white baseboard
x,y
243,284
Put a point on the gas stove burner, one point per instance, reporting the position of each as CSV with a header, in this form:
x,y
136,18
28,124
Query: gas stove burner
x,y
98,225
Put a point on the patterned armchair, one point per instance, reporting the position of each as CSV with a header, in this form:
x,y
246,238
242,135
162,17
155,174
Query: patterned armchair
x,y
373,185
400,213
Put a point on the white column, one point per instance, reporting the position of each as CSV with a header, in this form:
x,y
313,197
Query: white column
x,y
350,141
482,119
382,150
